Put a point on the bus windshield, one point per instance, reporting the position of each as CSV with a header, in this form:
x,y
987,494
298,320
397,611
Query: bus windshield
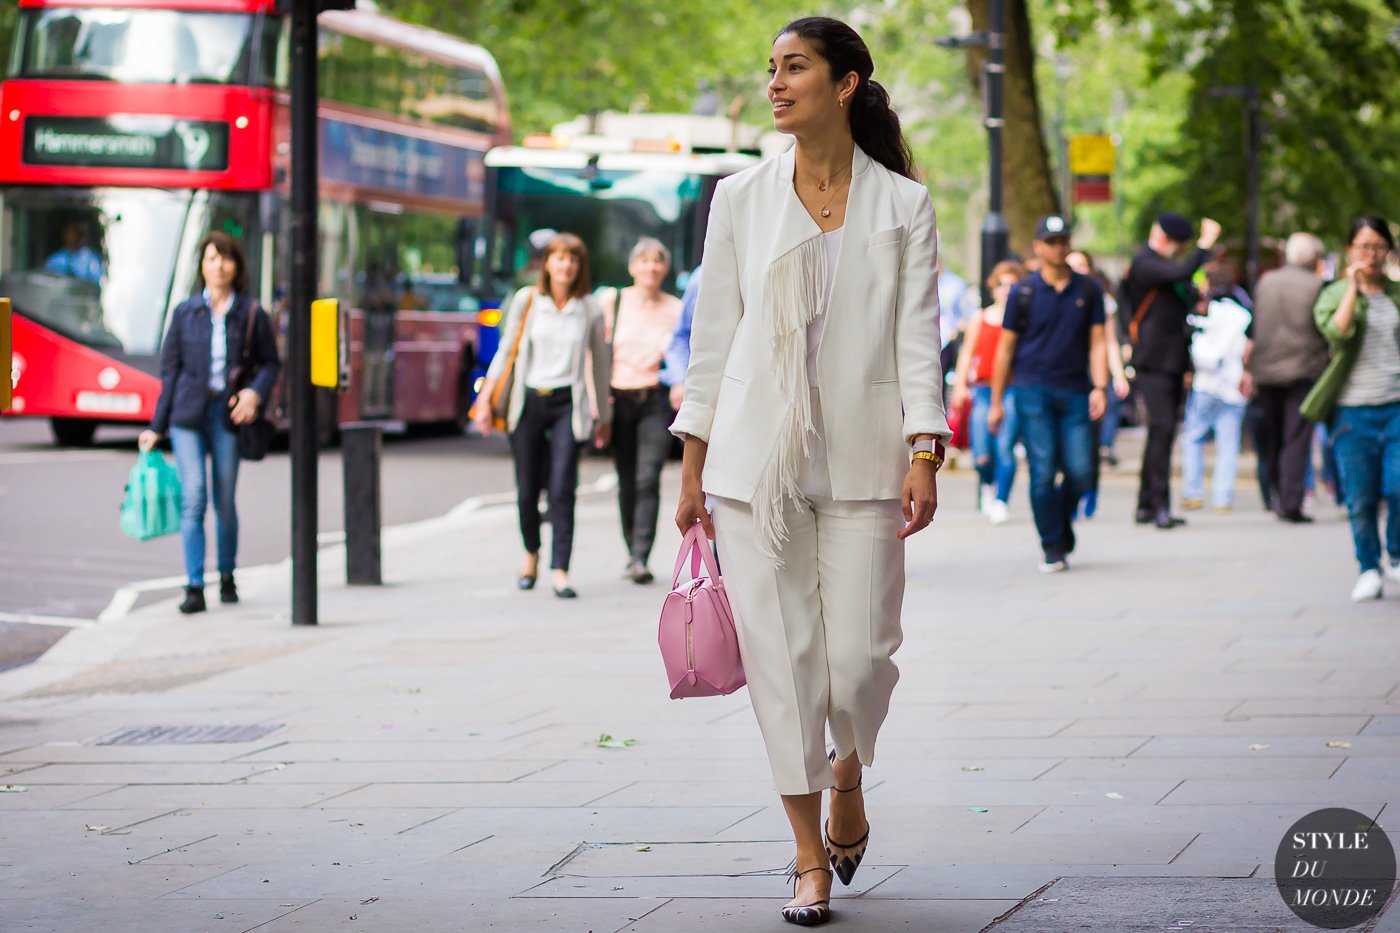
x,y
609,210
140,46
102,265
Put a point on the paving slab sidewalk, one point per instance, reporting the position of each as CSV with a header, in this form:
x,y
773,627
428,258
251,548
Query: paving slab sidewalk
x,y
449,754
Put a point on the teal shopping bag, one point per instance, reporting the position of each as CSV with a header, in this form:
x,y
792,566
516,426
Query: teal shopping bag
x,y
152,504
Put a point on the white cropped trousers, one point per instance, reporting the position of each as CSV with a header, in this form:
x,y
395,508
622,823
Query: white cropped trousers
x,y
816,635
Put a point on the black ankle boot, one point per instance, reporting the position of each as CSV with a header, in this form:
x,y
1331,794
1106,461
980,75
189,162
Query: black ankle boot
x,y
228,592
194,600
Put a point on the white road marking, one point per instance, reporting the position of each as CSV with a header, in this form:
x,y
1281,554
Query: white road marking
x,y
44,456
59,621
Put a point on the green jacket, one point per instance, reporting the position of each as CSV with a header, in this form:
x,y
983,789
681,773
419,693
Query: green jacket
x,y
1322,399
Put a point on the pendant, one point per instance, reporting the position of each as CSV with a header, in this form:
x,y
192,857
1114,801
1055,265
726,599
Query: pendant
x,y
826,212
821,186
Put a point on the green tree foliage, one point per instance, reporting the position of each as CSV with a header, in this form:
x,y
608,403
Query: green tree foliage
x,y
562,58
1325,71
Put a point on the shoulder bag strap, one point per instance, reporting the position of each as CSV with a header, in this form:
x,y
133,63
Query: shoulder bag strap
x,y
508,370
1139,314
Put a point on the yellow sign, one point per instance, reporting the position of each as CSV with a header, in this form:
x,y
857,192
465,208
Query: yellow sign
x,y
7,373
325,343
1091,155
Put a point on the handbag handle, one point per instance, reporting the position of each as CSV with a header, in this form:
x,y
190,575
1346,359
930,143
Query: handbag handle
x,y
697,546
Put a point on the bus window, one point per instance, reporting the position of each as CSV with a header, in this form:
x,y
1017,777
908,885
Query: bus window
x,y
609,210
140,46
100,266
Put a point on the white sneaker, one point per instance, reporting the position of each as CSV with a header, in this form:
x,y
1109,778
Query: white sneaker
x,y
1368,586
997,513
1392,572
985,497
1054,566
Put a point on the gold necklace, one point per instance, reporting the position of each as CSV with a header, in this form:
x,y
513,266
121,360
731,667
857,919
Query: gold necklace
x,y
823,183
826,208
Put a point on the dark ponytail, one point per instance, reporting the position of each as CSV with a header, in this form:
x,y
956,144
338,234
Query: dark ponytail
x,y
874,126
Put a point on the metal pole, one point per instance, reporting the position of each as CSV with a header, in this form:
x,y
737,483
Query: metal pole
x,y
1251,236
360,445
301,396
995,235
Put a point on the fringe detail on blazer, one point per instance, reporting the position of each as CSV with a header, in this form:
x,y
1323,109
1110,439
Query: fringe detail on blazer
x,y
794,287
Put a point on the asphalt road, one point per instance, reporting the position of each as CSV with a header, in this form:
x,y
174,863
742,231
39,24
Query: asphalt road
x,y
62,556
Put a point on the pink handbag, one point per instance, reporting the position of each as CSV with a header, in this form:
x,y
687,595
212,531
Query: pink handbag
x,y
698,642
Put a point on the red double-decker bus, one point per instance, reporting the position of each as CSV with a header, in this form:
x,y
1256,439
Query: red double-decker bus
x,y
128,131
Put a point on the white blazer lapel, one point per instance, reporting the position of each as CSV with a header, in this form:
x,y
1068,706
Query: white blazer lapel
x,y
795,225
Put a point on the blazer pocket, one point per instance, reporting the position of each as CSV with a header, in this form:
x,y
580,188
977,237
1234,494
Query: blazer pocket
x,y
883,237
735,379
884,382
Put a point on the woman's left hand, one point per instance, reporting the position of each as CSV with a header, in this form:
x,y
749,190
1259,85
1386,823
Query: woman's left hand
x,y
602,434
245,407
919,497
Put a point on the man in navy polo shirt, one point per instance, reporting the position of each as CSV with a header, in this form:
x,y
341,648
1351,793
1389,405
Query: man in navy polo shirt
x,y
1053,351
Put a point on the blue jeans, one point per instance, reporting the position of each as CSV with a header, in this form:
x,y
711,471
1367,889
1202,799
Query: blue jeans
x,y
1206,413
1366,439
995,454
1112,416
211,439
1059,439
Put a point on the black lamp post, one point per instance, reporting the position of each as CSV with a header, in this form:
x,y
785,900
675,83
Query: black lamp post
x,y
995,234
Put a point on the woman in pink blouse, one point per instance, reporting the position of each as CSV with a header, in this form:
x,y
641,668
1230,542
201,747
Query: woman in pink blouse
x,y
641,320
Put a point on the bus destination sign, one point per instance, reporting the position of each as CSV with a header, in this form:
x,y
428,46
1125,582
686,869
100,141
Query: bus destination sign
x,y
127,142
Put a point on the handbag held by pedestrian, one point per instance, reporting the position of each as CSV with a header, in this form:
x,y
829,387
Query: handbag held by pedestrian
x,y
255,437
699,644
499,402
151,507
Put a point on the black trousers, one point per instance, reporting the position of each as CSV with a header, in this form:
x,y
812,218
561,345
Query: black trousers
x,y
1285,443
1163,394
641,441
546,456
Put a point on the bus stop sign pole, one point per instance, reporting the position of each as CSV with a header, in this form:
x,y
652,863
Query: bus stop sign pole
x,y
301,395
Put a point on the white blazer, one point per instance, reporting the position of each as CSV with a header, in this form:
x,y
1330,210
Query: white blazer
x,y
878,373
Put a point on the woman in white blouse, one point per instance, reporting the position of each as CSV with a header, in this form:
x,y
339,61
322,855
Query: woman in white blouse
x,y
563,348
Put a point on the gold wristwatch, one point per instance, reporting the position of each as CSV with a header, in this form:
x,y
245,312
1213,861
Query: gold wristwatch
x,y
926,450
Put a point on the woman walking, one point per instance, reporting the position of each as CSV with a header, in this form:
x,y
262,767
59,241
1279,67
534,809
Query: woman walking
x,y
813,403
203,348
641,320
994,455
1359,393
559,341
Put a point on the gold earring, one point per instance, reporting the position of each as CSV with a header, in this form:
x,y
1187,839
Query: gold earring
x,y
841,101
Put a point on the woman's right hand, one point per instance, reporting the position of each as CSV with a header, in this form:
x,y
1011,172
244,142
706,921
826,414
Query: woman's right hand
x,y
691,509
147,440
1356,274
481,420
995,416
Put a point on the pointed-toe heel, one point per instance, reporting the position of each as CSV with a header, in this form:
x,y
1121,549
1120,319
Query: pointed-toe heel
x,y
845,857
808,915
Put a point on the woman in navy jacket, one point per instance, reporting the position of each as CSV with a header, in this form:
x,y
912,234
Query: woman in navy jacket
x,y
202,349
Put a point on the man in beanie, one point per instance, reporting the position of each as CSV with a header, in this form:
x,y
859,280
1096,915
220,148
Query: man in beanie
x,y
1052,349
1157,297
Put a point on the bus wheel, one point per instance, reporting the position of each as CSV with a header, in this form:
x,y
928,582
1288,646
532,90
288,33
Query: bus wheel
x,y
466,377
73,432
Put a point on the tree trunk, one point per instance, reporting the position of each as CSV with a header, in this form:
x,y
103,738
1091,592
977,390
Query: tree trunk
x,y
1029,187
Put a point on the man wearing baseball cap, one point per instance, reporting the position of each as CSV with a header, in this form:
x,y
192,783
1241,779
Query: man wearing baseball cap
x,y
1052,349
1157,297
